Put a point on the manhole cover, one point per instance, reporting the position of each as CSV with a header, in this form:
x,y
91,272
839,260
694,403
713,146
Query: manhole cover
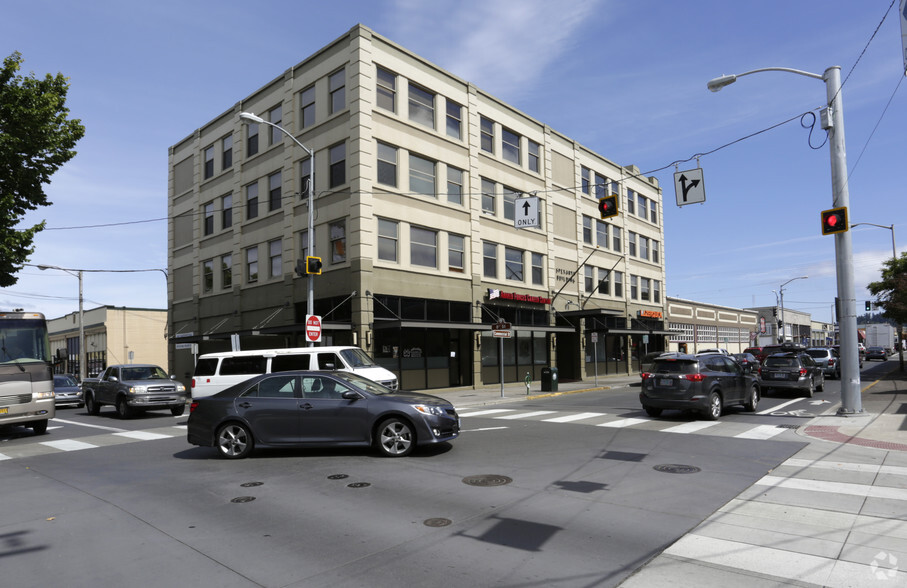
x,y
338,477
487,480
438,522
676,468
251,484
243,499
788,426
358,485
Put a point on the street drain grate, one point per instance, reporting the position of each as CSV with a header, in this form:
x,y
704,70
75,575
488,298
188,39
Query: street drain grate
x,y
487,480
437,522
251,484
358,485
788,426
676,468
241,499
338,477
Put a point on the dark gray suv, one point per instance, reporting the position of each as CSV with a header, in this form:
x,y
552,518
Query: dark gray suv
x,y
701,383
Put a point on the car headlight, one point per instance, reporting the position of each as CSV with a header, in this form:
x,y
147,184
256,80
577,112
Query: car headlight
x,y
427,409
138,389
40,395
180,388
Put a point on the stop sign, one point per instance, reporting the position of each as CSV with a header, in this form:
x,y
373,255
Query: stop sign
x,y
313,328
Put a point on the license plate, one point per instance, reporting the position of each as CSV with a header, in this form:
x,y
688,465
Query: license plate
x,y
779,376
665,382
4,410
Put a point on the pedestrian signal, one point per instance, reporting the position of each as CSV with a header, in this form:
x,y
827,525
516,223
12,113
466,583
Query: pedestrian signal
x,y
607,206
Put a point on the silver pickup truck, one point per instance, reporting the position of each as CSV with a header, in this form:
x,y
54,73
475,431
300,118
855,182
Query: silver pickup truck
x,y
134,388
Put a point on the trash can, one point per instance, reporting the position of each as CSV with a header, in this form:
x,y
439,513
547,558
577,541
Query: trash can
x,y
549,379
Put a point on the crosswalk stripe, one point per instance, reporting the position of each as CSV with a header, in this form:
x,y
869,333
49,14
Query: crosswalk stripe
x,y
834,487
848,467
487,412
142,435
2,457
690,427
620,424
526,415
761,432
575,417
68,445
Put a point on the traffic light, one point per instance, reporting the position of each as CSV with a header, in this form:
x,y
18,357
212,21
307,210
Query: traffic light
x,y
607,206
834,221
868,305
313,265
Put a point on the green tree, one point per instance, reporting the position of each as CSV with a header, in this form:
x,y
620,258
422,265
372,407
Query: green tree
x,y
36,139
891,290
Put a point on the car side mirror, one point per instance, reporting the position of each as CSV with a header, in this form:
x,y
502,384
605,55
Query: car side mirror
x,y
113,379
351,395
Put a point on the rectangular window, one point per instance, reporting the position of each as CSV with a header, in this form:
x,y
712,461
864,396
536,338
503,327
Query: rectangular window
x,y
209,218
643,247
510,146
337,91
538,274
423,247
275,116
454,119
209,162
655,256
386,90
275,258
618,284
305,176
337,161
642,206
226,152
645,285
274,191
604,281
587,229
387,164
307,106
488,196
337,232
303,245
421,106
252,201
252,265
653,211
226,207
588,279
456,252
631,202
226,271
487,134
586,179
387,239
616,233
454,185
208,275
510,203
535,156
251,139
634,287
601,234
421,175
601,186
513,264
631,243
489,259
656,291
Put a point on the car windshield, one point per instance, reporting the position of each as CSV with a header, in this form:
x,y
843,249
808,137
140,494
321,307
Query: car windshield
x,y
818,353
64,381
357,358
781,362
363,383
674,366
144,373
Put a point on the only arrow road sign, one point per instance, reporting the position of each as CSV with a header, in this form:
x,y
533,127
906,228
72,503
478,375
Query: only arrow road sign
x,y
689,187
526,212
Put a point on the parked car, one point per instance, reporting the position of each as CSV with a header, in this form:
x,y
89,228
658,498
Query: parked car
x,y
702,383
132,388
67,391
862,353
749,362
317,409
828,360
792,371
876,353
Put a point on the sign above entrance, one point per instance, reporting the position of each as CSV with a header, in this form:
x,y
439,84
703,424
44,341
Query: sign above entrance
x,y
493,293
655,314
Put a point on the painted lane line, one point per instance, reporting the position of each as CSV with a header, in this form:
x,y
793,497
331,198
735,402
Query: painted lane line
x,y
690,427
780,406
486,412
526,415
68,445
183,427
111,429
760,432
485,429
575,417
846,467
834,487
622,423
143,435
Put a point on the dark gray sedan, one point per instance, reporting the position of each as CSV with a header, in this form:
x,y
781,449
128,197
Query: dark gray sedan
x,y
318,409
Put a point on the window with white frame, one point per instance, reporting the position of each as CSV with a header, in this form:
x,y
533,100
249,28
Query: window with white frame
x,y
275,258
587,229
681,333
656,291
337,236
643,247
251,139
513,264
535,154
642,205
653,211
387,239
337,165
486,128
307,107
209,218
634,287
226,207
538,273
252,265
618,284
488,197
387,164
631,243
454,119
423,247
601,186
655,256
509,200
386,90
645,285
421,106
631,201
586,180
226,271
456,252
604,281
226,146
421,175
275,197
207,275
601,234
588,279
252,201
209,162
454,185
615,231
510,146
337,91
275,116
489,259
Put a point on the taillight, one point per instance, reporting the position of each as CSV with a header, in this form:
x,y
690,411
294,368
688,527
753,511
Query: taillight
x,y
193,406
802,372
831,362
193,382
694,377
645,375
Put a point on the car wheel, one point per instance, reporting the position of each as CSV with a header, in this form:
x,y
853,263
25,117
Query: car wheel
x,y
92,405
123,410
714,410
178,410
234,441
812,389
753,401
395,438
652,411
39,427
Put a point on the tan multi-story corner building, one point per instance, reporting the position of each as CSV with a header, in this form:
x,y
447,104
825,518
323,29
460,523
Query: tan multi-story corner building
x,y
418,184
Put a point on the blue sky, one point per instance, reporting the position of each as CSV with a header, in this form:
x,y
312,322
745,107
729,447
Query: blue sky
x,y
625,78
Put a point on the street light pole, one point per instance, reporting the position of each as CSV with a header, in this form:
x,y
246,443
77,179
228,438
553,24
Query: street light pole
x,y
851,401
78,274
781,289
251,118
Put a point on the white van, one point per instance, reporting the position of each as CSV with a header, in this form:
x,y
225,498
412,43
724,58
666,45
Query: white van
x,y
218,371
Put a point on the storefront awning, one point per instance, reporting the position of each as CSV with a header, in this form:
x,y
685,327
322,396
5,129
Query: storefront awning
x,y
403,324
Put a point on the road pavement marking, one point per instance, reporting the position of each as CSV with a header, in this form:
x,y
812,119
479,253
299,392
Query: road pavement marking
x,y
834,487
143,435
112,429
2,457
780,406
485,429
690,427
761,432
624,423
575,417
68,445
486,412
849,467
526,415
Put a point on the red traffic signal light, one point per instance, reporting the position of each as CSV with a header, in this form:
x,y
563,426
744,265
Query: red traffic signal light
x,y
313,265
607,206
834,221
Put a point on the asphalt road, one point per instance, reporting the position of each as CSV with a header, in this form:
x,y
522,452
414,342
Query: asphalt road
x,y
525,497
